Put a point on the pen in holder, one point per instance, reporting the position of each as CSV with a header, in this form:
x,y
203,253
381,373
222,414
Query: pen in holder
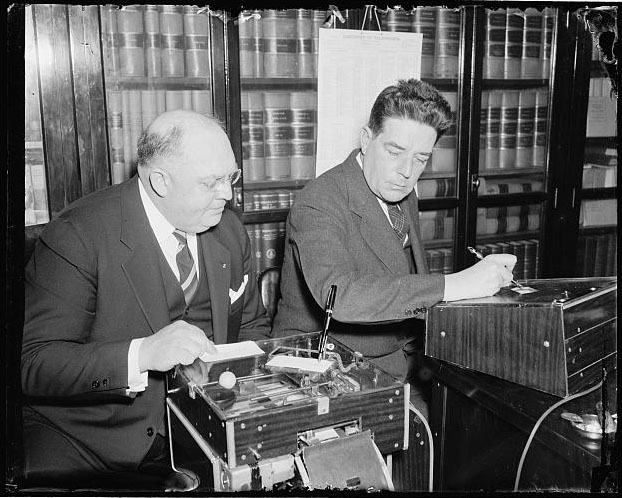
x,y
328,313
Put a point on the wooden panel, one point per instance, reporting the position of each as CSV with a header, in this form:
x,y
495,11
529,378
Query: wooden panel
x,y
58,106
280,426
89,97
589,313
204,419
589,375
411,467
589,346
521,344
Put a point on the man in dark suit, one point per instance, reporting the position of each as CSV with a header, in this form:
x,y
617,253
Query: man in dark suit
x,y
357,227
123,285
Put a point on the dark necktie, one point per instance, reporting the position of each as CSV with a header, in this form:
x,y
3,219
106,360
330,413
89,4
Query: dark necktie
x,y
399,221
187,269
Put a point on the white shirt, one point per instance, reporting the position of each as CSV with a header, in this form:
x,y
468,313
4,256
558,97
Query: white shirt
x,y
383,204
163,230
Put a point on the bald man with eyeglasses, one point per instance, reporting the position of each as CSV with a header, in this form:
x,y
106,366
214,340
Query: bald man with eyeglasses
x,y
123,285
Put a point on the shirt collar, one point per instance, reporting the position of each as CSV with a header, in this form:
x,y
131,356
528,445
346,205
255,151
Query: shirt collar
x,y
160,225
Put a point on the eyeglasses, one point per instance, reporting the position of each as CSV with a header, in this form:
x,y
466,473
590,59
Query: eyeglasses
x,y
232,179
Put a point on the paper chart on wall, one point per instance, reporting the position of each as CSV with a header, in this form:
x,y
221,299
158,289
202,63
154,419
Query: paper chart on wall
x,y
353,67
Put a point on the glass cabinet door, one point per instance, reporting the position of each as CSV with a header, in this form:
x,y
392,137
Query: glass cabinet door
x,y
597,242
278,52
441,29
156,59
514,125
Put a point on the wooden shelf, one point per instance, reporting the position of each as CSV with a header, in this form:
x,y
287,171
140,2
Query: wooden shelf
x,y
269,216
506,172
274,184
514,84
432,175
143,82
599,193
278,83
502,237
442,83
597,230
511,199
438,243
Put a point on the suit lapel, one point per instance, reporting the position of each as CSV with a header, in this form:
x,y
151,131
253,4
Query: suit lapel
x,y
375,227
409,206
217,261
142,267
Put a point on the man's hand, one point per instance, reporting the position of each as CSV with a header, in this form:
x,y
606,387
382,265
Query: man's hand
x,y
178,342
482,279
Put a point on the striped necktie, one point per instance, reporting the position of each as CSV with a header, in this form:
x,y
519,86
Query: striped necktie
x,y
187,269
399,221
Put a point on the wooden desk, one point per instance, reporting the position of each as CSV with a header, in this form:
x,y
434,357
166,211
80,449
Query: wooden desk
x,y
481,423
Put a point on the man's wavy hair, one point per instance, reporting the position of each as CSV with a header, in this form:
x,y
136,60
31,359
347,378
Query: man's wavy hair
x,y
411,99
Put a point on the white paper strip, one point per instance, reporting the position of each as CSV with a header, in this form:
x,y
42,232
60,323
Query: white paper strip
x,y
306,364
353,67
232,351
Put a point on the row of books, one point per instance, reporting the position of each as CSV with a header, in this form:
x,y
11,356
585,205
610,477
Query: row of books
x,y
518,43
156,41
513,129
429,188
445,155
264,200
440,261
440,27
267,244
525,250
597,255
601,110
131,111
500,186
508,219
279,43
278,134
599,175
598,212
36,199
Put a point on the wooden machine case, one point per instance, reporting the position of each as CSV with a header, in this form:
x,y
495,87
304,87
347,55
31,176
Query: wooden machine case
x,y
556,339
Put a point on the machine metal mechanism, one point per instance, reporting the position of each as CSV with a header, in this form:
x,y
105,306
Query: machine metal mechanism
x,y
280,417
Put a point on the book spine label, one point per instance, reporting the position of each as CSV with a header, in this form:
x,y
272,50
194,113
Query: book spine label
x,y
131,40
513,44
495,44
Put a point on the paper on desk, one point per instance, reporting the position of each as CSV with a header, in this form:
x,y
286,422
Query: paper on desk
x,y
306,364
232,351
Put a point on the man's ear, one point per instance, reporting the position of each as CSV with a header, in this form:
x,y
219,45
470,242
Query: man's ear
x,y
160,181
366,136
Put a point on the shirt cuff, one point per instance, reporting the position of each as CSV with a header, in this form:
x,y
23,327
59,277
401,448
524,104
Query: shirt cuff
x,y
136,380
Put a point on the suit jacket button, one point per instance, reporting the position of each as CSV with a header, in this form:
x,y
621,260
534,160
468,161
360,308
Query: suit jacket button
x,y
150,431
95,384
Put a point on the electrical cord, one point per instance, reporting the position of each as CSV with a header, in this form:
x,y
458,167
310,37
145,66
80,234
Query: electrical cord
x,y
429,431
540,420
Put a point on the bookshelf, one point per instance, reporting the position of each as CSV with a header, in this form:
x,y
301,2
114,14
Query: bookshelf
x,y
596,253
156,58
511,133
263,87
